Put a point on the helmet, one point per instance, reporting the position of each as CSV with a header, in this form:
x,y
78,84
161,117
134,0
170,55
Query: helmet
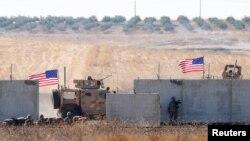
x,y
41,116
172,98
69,114
28,116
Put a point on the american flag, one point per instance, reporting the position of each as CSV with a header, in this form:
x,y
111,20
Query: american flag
x,y
191,65
49,77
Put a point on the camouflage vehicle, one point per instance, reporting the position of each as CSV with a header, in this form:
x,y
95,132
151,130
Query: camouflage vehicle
x,y
232,72
87,99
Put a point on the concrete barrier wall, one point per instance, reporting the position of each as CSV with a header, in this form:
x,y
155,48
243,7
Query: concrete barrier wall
x,y
202,100
165,89
140,109
206,101
19,98
241,101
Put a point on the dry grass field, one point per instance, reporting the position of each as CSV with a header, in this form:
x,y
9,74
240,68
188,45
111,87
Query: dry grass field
x,y
102,131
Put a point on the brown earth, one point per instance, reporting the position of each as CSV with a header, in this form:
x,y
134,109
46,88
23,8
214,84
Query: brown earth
x,y
124,56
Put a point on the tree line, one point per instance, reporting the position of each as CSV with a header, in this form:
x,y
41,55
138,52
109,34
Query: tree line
x,y
149,24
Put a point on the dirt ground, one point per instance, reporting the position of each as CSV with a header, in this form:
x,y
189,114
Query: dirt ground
x,y
124,56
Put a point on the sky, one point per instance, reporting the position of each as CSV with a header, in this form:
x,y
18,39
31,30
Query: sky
x,y
144,8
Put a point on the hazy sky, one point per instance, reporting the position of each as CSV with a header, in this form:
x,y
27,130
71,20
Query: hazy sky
x,y
145,8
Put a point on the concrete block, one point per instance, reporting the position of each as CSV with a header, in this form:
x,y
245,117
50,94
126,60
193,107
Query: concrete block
x,y
165,88
141,109
202,100
206,101
18,98
241,101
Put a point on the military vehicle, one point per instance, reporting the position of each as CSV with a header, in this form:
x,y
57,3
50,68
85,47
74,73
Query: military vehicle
x,y
232,72
87,99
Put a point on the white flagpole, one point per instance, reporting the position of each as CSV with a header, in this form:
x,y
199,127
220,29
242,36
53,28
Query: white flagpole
x,y
203,67
58,79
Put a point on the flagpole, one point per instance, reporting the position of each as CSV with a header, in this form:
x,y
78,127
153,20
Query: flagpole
x,y
64,76
11,72
159,68
58,79
208,71
203,68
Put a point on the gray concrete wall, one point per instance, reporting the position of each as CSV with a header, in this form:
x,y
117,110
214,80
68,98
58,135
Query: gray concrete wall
x,y
241,101
140,109
19,98
165,89
206,101
202,100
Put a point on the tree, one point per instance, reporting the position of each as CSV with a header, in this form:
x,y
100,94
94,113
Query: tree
x,y
202,23
106,26
118,19
149,20
236,23
185,22
106,19
219,23
166,23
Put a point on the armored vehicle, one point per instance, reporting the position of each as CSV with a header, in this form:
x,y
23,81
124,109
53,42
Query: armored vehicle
x,y
88,98
232,72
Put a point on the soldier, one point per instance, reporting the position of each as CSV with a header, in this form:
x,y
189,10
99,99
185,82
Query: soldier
x,y
41,120
173,110
69,117
230,74
28,120
20,120
9,122
90,78
107,92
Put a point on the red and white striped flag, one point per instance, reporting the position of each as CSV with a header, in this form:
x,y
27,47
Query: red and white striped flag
x,y
192,65
49,77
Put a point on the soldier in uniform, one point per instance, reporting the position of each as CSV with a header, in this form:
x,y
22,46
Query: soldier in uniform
x,y
107,92
173,110
41,120
28,120
11,121
90,78
69,118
